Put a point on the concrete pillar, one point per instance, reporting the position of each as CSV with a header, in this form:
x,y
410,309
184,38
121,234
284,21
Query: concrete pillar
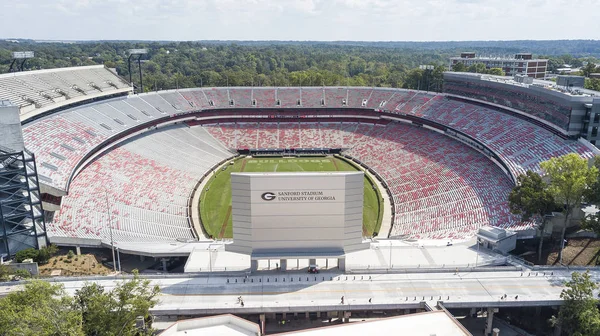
x,y
312,261
283,264
164,263
142,258
327,263
490,320
253,265
262,323
473,312
306,315
78,250
342,264
347,316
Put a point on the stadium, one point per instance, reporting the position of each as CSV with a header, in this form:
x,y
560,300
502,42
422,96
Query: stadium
x,y
131,170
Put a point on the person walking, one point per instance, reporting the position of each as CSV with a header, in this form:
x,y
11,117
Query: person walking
x,y
342,300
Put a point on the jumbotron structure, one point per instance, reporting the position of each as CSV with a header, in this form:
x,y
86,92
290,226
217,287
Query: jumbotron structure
x,y
118,168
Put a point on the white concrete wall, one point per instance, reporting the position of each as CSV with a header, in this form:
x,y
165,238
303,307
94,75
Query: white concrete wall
x,y
10,124
297,212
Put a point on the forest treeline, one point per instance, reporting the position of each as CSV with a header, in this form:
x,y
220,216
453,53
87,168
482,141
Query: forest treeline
x,y
171,65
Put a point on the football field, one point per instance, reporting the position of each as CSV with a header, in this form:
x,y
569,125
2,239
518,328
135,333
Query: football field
x,y
215,201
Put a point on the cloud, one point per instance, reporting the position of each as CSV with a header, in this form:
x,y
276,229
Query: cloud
x,y
301,19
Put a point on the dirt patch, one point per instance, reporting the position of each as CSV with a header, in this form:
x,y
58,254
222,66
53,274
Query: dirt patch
x,y
243,165
85,264
225,222
335,164
577,252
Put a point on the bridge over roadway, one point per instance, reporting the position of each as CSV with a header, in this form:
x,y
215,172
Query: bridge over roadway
x,y
299,292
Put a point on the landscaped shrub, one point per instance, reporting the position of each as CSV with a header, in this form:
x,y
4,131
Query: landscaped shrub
x,y
45,253
29,253
22,273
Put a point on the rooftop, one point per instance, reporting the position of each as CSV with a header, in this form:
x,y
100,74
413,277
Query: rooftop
x,y
221,325
421,324
550,85
434,323
499,58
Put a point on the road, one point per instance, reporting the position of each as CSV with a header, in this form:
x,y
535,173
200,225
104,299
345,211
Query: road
x,y
188,295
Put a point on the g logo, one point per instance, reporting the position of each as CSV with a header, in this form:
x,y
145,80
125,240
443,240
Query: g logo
x,y
268,196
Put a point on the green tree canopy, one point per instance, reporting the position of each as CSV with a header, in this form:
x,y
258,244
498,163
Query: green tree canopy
x,y
40,309
459,67
579,315
589,68
45,309
531,197
496,72
108,313
592,196
569,177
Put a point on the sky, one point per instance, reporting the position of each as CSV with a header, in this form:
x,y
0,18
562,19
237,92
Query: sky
x,y
315,20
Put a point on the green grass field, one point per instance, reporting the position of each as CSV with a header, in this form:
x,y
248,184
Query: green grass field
x,y
215,201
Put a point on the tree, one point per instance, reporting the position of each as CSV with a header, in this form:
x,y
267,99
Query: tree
x,y
592,196
589,68
569,177
29,253
41,256
459,67
496,72
40,309
477,68
45,253
579,313
114,312
46,309
592,84
531,197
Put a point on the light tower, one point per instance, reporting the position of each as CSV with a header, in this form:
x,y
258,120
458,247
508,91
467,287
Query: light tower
x,y
18,56
139,53
428,68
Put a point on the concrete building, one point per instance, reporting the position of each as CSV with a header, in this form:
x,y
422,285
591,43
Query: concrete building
x,y
521,63
297,215
497,239
569,111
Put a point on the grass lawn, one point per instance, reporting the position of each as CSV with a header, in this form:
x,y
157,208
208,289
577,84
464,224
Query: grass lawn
x,y
215,201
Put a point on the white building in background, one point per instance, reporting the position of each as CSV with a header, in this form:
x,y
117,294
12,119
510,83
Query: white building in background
x,y
521,63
